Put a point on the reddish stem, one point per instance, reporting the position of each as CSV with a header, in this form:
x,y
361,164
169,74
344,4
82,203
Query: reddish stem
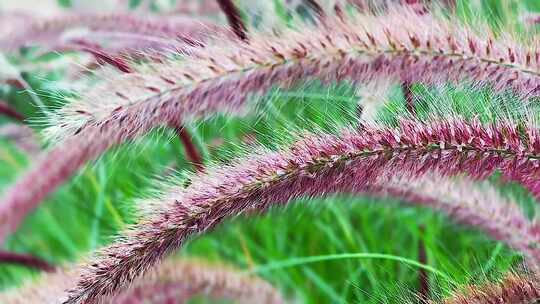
x,y
15,83
192,153
233,16
101,56
27,260
8,111
409,96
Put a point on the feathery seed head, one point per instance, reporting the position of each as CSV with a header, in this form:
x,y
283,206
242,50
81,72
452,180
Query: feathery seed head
x,y
316,165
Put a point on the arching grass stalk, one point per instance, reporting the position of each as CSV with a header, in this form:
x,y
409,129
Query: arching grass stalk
x,y
317,165
26,260
127,30
7,110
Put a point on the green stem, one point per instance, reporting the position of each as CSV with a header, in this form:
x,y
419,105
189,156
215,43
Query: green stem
x,y
333,257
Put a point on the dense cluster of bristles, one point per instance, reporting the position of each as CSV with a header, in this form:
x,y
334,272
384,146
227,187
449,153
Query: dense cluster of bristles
x,y
318,165
174,281
514,288
120,31
360,48
416,160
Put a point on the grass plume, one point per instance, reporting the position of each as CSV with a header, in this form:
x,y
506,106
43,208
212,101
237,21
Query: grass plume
x,y
514,288
362,48
322,164
125,30
175,280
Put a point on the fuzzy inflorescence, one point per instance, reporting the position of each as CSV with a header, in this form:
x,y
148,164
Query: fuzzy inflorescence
x,y
175,280
322,164
122,31
483,207
512,289
360,48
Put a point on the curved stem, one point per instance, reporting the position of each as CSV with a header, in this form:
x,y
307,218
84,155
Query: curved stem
x,y
235,19
192,153
7,110
27,260
343,256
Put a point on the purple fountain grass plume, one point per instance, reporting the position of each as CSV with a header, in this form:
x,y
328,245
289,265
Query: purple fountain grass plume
x,y
9,111
361,49
50,31
26,260
177,280
321,164
515,288
478,206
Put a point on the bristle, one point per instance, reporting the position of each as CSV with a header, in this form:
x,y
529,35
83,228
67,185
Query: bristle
x,y
115,61
361,49
423,276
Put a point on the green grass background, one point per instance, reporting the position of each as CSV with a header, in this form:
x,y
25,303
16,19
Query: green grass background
x,y
97,203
